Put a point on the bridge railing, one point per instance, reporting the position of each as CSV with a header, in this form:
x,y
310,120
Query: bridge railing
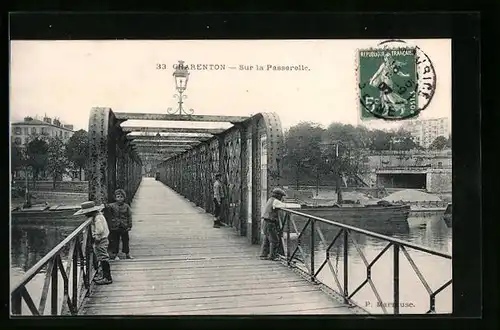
x,y
77,276
288,227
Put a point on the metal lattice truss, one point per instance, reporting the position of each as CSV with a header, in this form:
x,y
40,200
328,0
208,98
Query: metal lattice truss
x,y
246,155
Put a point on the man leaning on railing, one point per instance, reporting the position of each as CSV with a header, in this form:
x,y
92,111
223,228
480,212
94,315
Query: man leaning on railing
x,y
270,224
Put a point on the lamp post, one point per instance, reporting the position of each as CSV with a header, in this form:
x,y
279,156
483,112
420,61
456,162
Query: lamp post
x,y
181,76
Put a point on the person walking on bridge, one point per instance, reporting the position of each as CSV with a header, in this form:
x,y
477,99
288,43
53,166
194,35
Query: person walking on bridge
x,y
120,223
270,224
218,195
100,231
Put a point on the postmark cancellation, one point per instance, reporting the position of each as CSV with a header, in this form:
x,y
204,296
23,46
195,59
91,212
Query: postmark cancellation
x,y
394,83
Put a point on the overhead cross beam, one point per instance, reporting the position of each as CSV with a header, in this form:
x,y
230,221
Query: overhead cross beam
x,y
174,130
157,152
191,138
148,157
164,142
123,116
162,146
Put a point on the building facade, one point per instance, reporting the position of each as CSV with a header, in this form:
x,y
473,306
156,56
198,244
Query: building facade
x,y
424,132
21,131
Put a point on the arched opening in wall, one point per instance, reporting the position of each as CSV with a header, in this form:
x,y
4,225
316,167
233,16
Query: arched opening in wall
x,y
403,180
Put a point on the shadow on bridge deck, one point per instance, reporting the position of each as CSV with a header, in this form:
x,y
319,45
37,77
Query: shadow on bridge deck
x,y
184,266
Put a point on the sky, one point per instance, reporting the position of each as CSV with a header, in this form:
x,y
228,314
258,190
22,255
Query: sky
x,y
66,79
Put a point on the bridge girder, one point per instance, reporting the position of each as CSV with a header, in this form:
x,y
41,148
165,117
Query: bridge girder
x,y
186,139
247,155
123,116
163,144
211,131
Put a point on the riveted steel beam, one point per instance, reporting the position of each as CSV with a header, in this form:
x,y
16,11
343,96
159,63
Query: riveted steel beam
x,y
247,156
160,158
149,143
185,139
173,130
156,156
166,142
158,149
112,162
122,116
141,148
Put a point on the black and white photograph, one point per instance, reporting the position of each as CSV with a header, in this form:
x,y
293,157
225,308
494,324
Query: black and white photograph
x,y
231,177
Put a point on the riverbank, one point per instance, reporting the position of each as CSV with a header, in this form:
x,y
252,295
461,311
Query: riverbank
x,y
60,186
53,198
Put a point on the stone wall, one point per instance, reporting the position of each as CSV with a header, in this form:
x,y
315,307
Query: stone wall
x,y
408,159
439,181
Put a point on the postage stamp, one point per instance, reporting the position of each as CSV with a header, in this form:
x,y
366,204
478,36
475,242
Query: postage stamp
x,y
396,81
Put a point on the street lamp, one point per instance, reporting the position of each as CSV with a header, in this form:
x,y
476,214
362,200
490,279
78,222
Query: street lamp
x,y
181,76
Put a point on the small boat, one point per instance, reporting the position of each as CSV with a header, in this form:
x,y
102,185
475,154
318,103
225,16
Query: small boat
x,y
447,216
41,212
383,217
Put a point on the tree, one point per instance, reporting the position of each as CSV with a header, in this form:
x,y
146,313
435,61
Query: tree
x,y
36,155
343,153
57,163
402,140
354,137
380,140
17,160
302,150
77,150
439,143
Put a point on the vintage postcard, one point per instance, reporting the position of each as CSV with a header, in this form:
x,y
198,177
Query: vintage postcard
x,y
231,177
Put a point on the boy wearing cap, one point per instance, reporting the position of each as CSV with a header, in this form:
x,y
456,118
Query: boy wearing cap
x,y
270,224
100,232
120,223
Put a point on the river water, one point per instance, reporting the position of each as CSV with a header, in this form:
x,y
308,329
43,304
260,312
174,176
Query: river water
x,y
428,230
30,243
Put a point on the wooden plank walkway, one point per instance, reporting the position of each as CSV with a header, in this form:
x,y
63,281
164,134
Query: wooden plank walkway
x,y
184,266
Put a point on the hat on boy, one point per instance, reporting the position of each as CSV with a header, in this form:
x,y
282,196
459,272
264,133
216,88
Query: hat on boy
x,y
87,207
277,192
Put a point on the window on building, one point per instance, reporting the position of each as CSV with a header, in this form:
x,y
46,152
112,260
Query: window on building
x,y
33,130
60,133
17,130
44,130
18,141
26,131
65,134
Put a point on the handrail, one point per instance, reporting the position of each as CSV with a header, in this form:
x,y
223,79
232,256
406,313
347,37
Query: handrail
x,y
346,231
80,251
373,234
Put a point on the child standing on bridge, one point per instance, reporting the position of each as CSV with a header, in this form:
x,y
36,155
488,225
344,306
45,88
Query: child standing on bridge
x,y
270,224
218,194
100,232
120,223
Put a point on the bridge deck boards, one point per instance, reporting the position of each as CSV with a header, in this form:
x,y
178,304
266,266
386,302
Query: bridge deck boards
x,y
184,266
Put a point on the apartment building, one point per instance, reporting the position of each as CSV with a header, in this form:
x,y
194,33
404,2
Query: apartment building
x,y
21,131
425,131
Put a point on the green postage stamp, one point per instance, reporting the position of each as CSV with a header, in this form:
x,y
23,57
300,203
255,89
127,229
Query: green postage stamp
x,y
387,81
